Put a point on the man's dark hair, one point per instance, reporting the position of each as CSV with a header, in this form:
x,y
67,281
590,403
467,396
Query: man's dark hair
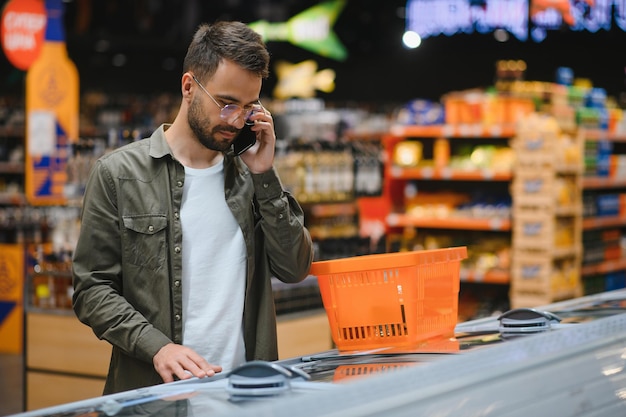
x,y
233,41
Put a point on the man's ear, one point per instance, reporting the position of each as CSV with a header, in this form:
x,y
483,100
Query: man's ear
x,y
186,85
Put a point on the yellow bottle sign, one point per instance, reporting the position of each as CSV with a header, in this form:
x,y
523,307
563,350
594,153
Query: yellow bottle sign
x,y
52,112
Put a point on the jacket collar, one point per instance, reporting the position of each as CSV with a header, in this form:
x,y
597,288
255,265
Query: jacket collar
x,y
158,145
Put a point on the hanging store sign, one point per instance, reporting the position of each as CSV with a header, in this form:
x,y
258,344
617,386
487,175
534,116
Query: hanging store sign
x,y
521,18
448,17
589,15
22,31
302,80
311,29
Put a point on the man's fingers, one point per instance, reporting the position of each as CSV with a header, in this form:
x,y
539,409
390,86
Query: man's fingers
x,y
200,368
183,363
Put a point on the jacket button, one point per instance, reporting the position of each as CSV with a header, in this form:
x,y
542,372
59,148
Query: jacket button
x,y
265,185
177,283
150,228
179,183
176,215
280,216
177,317
177,249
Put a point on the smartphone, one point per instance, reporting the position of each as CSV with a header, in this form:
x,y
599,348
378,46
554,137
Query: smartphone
x,y
245,140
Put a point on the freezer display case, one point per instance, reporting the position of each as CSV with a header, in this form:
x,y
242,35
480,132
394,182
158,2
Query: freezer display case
x,y
565,359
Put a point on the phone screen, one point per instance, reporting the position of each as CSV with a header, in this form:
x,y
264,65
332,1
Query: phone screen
x,y
245,140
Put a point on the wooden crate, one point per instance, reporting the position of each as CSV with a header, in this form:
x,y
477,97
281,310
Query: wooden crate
x,y
535,229
541,273
542,188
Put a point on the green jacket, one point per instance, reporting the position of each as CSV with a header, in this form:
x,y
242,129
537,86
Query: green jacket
x,y
127,263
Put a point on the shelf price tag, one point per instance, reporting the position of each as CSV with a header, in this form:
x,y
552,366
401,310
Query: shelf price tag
x,y
488,174
464,130
428,173
496,130
478,276
396,171
477,130
397,130
496,223
392,219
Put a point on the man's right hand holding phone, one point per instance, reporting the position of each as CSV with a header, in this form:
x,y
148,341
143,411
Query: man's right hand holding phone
x,y
260,158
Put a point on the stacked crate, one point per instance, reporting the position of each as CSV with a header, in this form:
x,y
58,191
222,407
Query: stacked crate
x,y
547,213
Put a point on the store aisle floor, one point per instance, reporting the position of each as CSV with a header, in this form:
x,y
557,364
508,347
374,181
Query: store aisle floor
x,y
11,384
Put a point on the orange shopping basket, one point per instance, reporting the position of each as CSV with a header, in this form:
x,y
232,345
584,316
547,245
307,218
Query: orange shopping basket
x,y
392,299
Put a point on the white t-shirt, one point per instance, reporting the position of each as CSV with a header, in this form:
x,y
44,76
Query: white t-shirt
x,y
214,270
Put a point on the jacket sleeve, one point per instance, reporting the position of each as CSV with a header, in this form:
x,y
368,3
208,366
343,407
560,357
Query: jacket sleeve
x,y
288,243
98,299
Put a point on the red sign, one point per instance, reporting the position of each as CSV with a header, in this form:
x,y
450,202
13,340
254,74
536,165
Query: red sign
x,y
22,31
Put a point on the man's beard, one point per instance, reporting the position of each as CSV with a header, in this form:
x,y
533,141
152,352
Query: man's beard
x,y
201,127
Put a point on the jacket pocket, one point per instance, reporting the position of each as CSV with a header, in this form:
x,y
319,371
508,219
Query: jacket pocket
x,y
145,240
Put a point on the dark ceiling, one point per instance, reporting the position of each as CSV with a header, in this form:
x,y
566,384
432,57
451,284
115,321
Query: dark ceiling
x,y
153,36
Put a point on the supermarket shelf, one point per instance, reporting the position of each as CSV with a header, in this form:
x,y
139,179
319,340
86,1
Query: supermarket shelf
x,y
332,209
564,168
599,134
590,183
11,168
604,267
600,222
492,276
450,174
12,198
365,135
12,131
555,252
572,210
455,131
457,223
319,235
567,251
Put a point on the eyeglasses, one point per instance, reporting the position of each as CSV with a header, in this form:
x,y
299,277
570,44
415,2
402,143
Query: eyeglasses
x,y
231,112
